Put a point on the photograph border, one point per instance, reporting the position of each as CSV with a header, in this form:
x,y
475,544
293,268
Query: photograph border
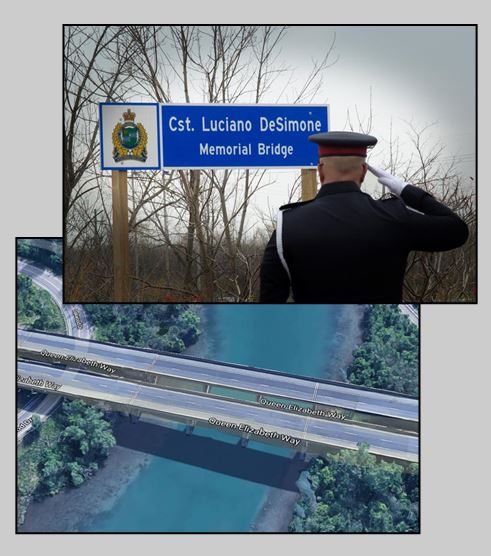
x,y
233,365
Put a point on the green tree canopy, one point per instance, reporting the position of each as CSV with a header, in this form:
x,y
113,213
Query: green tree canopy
x,y
170,327
84,441
388,358
357,493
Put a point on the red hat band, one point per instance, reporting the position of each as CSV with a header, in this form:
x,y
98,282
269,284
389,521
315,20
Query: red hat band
x,y
327,150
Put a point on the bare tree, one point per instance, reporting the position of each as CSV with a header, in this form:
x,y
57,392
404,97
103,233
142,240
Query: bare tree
x,y
94,59
198,235
198,221
444,276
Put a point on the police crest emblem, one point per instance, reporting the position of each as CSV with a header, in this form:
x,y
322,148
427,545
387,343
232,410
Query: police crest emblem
x,y
129,139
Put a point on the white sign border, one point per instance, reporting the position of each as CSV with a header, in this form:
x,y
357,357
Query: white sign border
x,y
101,136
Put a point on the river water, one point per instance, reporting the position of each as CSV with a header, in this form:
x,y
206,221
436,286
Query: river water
x,y
170,495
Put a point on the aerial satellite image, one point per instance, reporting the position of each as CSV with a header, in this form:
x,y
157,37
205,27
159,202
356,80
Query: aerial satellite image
x,y
212,417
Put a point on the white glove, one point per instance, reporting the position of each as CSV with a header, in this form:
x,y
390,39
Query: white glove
x,y
393,184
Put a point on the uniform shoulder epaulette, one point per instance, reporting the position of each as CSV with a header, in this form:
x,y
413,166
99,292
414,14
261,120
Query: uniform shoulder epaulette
x,y
390,198
298,204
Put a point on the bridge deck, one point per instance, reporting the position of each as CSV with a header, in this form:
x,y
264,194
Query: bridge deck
x,y
226,375
201,408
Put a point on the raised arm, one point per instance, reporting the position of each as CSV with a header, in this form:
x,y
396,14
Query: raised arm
x,y
434,227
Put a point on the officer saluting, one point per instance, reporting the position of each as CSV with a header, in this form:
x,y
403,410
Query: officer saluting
x,y
345,247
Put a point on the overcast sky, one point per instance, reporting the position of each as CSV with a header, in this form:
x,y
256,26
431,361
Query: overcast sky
x,y
418,74
421,74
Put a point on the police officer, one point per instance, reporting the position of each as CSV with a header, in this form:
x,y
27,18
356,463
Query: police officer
x,y
345,247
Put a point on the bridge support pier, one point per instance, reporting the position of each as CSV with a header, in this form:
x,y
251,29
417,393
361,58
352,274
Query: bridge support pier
x,y
190,427
133,418
207,389
301,453
244,441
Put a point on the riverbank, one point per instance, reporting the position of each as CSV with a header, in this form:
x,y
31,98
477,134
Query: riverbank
x,y
69,510
277,509
204,345
73,508
276,512
349,335
107,492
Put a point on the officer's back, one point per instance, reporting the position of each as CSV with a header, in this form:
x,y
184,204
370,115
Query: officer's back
x,y
346,247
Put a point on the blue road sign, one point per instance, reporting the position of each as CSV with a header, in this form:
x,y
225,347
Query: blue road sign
x,y
241,136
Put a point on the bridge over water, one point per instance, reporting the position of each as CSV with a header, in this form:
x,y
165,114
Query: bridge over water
x,y
308,414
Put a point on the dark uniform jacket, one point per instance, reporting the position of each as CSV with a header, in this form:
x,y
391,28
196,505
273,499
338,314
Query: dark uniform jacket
x,y
345,247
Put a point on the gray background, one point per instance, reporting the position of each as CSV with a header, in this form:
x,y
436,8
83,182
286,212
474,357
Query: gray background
x,y
455,365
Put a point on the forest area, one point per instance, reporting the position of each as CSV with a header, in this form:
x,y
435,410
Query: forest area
x,y
44,257
166,327
353,491
36,309
388,357
65,451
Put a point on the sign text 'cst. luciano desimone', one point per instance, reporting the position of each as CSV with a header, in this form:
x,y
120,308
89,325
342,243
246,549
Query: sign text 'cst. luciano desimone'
x,y
152,136
236,136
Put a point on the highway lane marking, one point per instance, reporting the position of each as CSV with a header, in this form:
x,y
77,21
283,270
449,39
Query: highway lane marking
x,y
278,388
137,391
290,426
79,381
314,395
329,427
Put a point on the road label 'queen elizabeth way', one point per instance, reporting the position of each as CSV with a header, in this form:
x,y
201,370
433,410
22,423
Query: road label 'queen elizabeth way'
x,y
240,136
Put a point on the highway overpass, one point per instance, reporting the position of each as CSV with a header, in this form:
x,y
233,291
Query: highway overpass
x,y
203,376
293,430
76,323
76,320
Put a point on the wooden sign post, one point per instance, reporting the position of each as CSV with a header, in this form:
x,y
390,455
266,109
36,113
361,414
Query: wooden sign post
x,y
129,140
121,252
309,184
199,137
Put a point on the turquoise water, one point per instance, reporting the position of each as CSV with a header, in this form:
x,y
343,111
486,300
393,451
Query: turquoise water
x,y
292,338
173,496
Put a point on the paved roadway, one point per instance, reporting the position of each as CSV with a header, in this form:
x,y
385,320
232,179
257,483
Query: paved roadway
x,y
258,381
203,408
42,405
411,313
53,284
45,279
